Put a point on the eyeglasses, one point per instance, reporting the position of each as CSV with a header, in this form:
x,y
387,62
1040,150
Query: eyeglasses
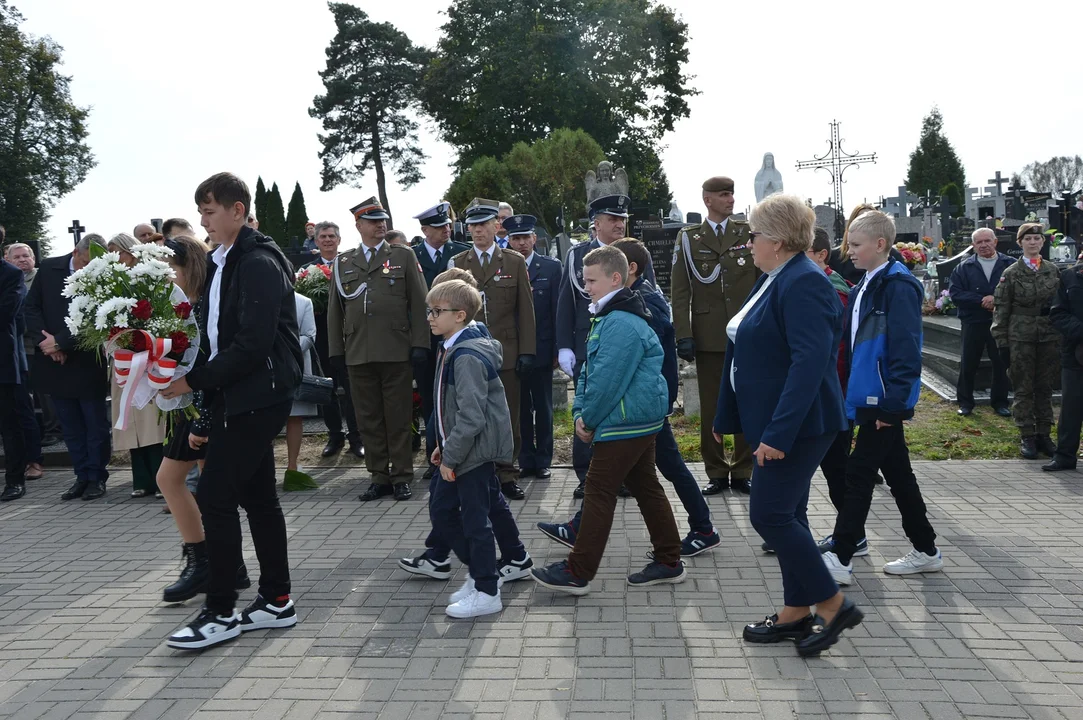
x,y
435,312
753,235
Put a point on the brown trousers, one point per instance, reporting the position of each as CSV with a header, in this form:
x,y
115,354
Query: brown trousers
x,y
709,368
508,472
383,396
631,463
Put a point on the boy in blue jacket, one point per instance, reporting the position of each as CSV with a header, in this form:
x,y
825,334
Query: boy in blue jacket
x,y
620,405
702,536
883,334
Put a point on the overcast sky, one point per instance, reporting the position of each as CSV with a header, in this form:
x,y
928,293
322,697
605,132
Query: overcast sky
x,y
182,90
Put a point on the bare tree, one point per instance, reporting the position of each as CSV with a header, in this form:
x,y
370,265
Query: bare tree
x,y
1057,175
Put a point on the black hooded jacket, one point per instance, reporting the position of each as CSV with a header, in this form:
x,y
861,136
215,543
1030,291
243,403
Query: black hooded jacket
x,y
259,359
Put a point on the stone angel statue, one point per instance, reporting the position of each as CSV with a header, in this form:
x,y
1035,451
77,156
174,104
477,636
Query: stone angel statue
x,y
608,181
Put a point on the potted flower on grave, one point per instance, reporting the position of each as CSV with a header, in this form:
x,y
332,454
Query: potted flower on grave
x,y
913,254
945,305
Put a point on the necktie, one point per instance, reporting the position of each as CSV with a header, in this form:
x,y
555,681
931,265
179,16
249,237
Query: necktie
x,y
485,261
437,256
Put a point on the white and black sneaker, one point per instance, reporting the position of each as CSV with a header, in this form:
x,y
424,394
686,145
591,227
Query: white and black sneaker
x,y
508,570
208,629
423,565
262,614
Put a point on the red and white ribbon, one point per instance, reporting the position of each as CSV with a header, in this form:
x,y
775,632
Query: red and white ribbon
x,y
133,368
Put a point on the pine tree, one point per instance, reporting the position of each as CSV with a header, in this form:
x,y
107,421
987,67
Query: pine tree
x,y
296,217
260,202
934,164
273,222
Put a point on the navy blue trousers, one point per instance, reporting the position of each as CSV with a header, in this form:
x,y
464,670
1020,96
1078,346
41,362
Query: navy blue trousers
x,y
581,452
536,419
778,510
503,522
87,435
459,512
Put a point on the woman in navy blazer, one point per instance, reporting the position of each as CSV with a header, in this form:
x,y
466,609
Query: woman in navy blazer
x,y
781,389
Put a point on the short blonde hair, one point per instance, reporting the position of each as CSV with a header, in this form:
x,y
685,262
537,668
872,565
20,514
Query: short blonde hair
x,y
785,218
875,225
610,259
456,274
457,294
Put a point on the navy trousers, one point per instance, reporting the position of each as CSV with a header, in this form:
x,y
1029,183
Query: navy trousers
x,y
581,452
500,518
460,517
778,510
536,419
87,435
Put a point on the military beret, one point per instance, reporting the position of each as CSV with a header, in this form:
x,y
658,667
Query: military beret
x,y
1029,229
718,183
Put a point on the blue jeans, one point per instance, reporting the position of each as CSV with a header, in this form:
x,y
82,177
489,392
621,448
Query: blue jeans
x,y
670,463
87,434
500,518
778,509
460,517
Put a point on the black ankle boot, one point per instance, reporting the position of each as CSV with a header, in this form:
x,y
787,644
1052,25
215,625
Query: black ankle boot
x,y
1028,447
194,576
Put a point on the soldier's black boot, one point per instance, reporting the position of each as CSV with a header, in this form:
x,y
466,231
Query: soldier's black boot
x,y
1028,447
194,576
1046,445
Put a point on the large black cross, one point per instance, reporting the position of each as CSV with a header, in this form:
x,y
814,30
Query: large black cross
x,y
77,230
998,181
836,161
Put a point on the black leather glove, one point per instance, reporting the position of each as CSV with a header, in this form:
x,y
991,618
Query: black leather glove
x,y
686,349
418,358
524,364
1006,357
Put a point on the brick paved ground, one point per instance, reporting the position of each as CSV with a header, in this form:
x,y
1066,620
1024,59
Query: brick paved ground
x,y
997,634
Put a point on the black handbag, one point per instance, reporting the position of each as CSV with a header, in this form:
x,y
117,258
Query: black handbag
x,y
315,389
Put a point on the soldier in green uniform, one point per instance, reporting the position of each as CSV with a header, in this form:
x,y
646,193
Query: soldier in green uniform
x,y
712,276
376,328
507,309
1027,340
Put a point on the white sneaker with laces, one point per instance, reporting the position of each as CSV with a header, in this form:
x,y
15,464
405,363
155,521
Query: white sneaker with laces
x,y
263,614
514,569
475,604
206,630
843,574
465,589
915,562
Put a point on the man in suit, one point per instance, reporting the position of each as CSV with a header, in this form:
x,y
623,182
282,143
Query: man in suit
x,y
536,396
503,212
12,377
433,255
507,310
77,380
376,329
712,275
609,216
328,239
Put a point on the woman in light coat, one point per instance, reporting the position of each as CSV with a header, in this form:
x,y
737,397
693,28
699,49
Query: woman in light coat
x,y
145,434
306,332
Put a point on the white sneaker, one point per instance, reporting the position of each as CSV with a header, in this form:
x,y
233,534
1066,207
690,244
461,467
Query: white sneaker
x,y
206,630
422,565
843,574
262,614
915,562
464,590
475,604
508,570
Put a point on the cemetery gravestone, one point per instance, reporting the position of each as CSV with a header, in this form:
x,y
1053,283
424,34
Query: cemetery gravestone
x,y
660,242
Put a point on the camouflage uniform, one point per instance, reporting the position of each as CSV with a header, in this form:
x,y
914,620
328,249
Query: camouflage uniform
x,y
1021,324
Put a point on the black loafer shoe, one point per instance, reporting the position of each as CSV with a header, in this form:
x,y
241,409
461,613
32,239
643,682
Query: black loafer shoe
x,y
13,492
402,491
544,474
820,637
740,485
770,630
525,473
1057,464
512,491
715,486
375,492
579,491
333,447
358,449
94,491
1003,412
965,411
75,490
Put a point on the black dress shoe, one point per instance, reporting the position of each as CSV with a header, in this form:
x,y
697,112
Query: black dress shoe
x,y
579,491
512,491
75,490
402,491
715,486
1028,447
94,491
357,449
1052,466
333,447
429,472
965,411
820,637
375,492
544,474
1003,412
740,485
526,472
1046,446
13,492
770,630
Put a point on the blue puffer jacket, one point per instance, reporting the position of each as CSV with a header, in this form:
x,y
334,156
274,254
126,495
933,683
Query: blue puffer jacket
x,y
621,393
885,359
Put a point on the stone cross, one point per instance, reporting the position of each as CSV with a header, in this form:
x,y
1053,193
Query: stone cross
x,y
900,203
77,230
998,181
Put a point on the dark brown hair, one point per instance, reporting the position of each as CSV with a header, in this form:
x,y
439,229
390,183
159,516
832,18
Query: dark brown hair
x,y
173,223
636,252
190,255
820,240
225,189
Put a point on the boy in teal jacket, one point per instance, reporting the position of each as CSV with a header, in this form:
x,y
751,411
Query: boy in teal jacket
x,y
621,402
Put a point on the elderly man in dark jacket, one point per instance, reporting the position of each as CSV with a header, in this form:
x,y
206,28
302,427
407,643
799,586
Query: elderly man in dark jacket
x,y
12,375
971,287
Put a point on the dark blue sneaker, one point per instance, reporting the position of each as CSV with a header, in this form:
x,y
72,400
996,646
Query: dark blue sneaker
x,y
558,576
563,533
697,542
828,545
657,573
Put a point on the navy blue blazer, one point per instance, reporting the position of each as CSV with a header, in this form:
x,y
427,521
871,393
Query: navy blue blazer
x,y
545,285
12,354
785,354
430,269
968,286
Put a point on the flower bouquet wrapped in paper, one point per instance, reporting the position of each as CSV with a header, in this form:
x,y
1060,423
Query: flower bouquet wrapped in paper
x,y
141,319
314,282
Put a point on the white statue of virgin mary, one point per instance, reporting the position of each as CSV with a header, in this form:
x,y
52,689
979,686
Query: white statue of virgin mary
x,y
768,179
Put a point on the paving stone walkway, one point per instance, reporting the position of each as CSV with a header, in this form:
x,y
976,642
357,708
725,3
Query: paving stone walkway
x,y
996,635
